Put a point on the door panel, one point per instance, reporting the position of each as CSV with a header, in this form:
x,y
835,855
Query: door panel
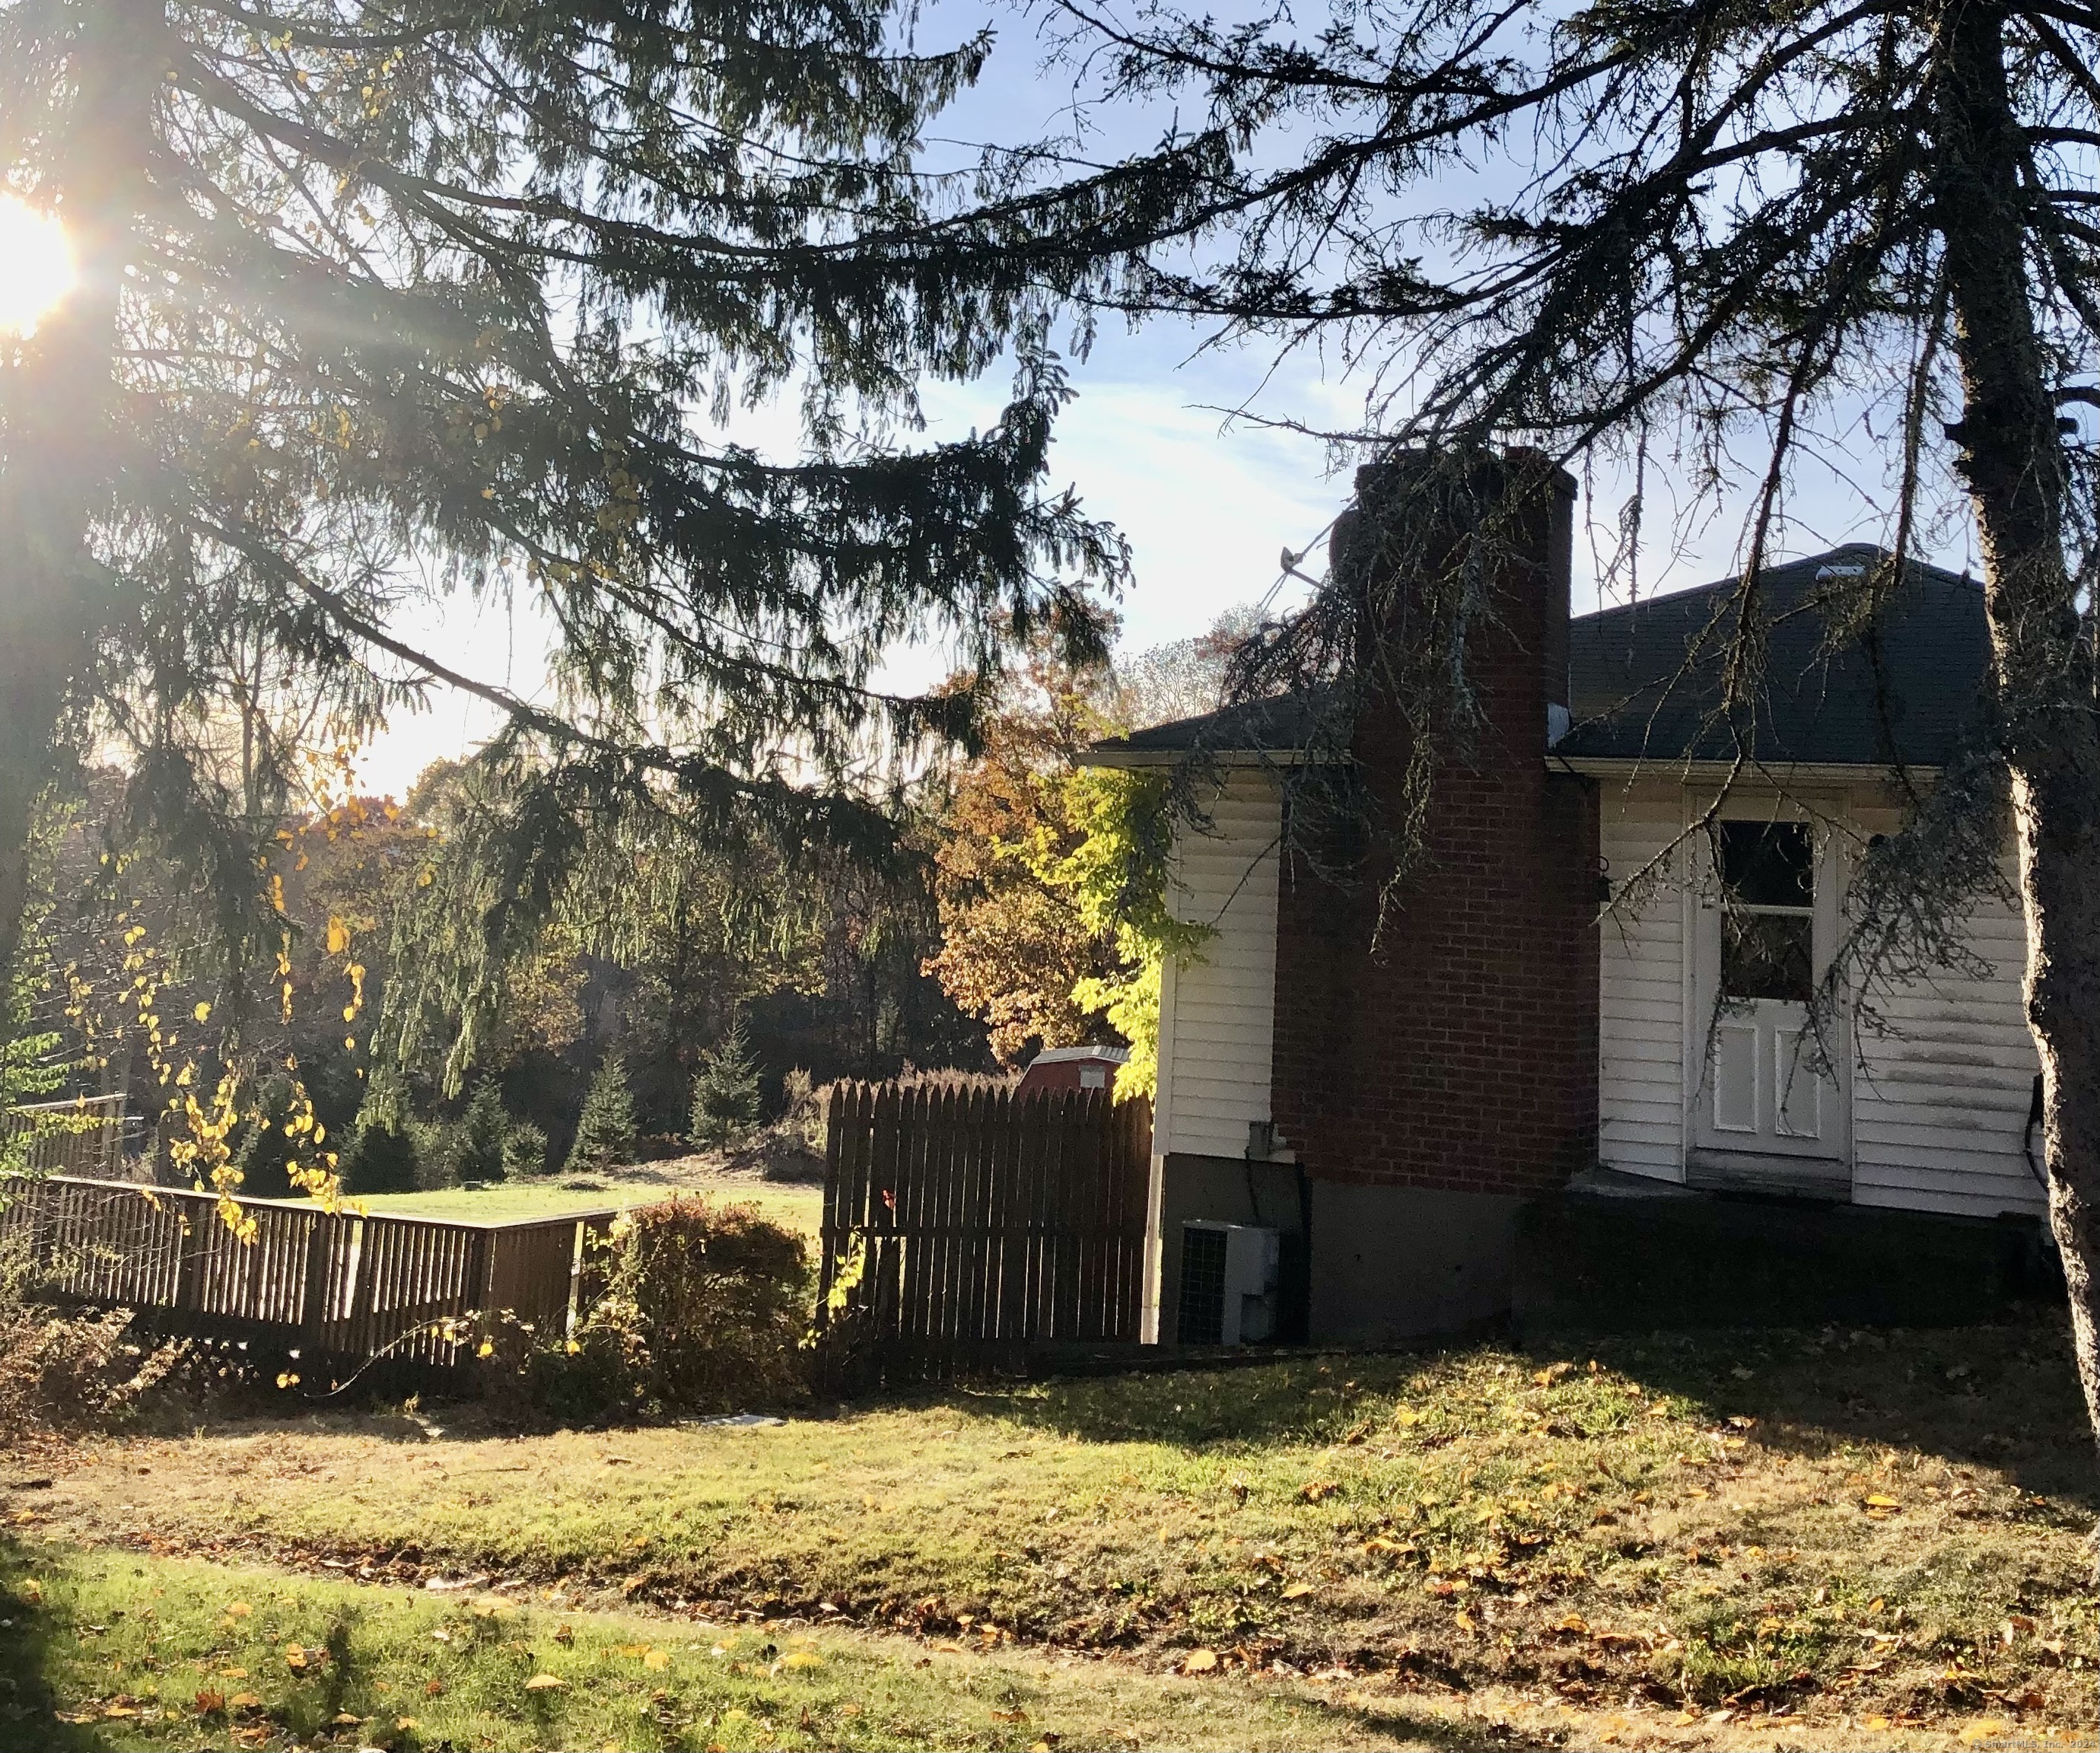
x,y
1735,1077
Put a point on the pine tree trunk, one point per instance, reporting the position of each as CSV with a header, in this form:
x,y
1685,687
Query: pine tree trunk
x,y
2012,460
61,442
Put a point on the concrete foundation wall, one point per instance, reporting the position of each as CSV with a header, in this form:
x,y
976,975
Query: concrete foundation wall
x,y
1389,1263
1382,1263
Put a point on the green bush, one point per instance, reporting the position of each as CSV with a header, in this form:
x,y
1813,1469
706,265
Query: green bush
x,y
702,1309
437,1146
606,1132
379,1159
726,1092
525,1150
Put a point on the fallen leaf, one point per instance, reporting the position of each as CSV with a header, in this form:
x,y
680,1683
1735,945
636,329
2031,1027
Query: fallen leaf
x,y
657,1660
208,1703
801,1659
1875,1500
565,1634
1466,1622
1298,1591
32,1592
1199,1662
433,1688
243,1700
1319,1489
239,1610
1982,1729
1009,1716
546,1683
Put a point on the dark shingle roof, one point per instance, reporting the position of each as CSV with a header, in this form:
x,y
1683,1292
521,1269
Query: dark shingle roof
x,y
1277,725
1634,695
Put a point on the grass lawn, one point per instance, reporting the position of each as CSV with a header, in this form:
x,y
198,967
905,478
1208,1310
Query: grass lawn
x,y
1831,1537
106,1650
795,1205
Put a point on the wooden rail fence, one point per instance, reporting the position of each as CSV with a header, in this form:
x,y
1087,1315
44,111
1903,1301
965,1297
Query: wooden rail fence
x,y
968,1225
337,1287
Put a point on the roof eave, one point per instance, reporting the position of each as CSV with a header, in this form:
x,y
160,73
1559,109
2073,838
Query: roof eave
x,y
1785,772
1216,757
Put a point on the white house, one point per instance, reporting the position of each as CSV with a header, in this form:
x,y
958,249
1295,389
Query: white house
x,y
1602,977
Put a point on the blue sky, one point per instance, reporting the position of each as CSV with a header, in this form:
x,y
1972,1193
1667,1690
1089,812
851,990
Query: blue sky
x,y
1206,502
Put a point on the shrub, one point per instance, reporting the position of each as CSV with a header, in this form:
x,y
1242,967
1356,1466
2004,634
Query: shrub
x,y
437,1148
380,1158
484,1131
725,1092
702,1308
62,1371
606,1132
525,1149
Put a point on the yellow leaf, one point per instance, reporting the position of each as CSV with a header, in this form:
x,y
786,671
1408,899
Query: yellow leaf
x,y
658,1660
1466,1622
32,1591
243,1700
203,1012
338,936
634,1650
1199,1662
546,1683
1875,1500
1298,1591
239,1610
803,1659
1983,1729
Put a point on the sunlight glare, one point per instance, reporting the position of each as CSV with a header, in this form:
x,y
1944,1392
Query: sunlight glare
x,y
36,266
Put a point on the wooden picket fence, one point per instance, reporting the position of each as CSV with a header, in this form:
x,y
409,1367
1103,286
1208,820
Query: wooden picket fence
x,y
339,1288
82,1136
967,1225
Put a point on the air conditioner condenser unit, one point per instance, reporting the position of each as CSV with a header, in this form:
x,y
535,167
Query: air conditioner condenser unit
x,y
1228,1274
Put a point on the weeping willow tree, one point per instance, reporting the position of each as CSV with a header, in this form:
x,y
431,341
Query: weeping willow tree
x,y
381,306
1718,246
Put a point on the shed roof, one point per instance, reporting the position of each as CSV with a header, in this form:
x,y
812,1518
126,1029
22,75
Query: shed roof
x,y
1645,679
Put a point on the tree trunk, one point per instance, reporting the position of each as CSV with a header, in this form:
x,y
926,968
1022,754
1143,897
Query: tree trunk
x,y
2012,458
62,445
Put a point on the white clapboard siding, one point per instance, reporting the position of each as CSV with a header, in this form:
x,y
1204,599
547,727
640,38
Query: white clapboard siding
x,y
1939,1106
1640,1031
1217,1009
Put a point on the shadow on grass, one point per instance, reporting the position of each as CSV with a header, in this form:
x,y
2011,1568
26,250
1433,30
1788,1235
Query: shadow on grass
x,y
29,1709
2004,1396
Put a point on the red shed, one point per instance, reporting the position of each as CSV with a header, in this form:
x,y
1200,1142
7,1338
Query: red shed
x,y
1072,1068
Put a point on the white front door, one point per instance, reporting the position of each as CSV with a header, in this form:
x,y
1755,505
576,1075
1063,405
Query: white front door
x,y
1767,929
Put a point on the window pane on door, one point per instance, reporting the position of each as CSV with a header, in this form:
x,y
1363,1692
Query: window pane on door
x,y
1768,956
1768,864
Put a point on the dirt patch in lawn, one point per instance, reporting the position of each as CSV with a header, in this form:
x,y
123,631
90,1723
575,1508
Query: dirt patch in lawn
x,y
1887,1530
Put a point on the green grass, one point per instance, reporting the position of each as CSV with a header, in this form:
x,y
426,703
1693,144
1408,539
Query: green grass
x,y
108,1650
796,1207
1800,1521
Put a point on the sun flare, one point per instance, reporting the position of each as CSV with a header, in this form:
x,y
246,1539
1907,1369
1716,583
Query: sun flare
x,y
36,266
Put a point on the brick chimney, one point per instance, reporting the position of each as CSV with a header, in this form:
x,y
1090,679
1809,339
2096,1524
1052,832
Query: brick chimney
x,y
1428,1089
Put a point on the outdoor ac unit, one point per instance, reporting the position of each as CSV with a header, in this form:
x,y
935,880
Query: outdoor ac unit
x,y
1228,1284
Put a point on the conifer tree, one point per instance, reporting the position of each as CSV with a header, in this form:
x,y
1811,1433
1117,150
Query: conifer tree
x,y
606,1132
726,1093
379,305
484,1130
